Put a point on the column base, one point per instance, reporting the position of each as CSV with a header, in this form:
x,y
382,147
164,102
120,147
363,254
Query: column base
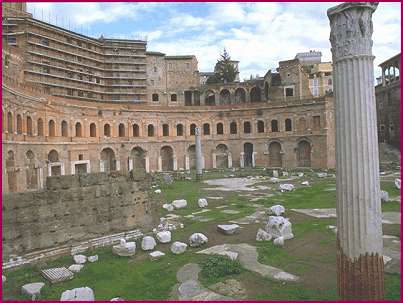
x,y
360,279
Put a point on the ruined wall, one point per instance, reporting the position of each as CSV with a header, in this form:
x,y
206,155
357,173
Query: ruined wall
x,y
74,208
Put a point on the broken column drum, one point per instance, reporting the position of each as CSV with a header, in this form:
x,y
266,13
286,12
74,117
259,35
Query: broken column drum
x,y
359,237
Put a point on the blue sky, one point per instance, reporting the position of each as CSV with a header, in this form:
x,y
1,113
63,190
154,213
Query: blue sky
x,y
257,34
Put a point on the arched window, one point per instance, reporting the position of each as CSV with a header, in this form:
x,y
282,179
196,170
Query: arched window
x,y
220,129
209,98
29,126
174,98
255,94
64,128
136,130
19,124
155,97
165,130
53,156
79,131
274,126
288,125
179,130
233,128
52,130
40,127
93,130
240,95
246,127
150,130
107,130
121,130
192,129
206,129
260,126
10,123
225,97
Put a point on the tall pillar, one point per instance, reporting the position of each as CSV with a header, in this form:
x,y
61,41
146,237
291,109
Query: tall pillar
x,y
159,163
254,159
199,157
130,164
214,156
229,160
360,268
175,163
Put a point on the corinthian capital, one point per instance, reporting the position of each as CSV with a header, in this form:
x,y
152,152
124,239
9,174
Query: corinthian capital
x,y
351,29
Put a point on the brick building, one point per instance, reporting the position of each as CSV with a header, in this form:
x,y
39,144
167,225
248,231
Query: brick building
x,y
387,93
121,107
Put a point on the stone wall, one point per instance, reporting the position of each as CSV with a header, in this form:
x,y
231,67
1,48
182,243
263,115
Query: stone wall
x,y
74,208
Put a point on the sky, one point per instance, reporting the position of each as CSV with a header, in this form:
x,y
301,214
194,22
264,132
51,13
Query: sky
x,y
257,34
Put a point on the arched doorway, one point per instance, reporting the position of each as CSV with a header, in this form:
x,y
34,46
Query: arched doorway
x,y
108,160
221,156
192,156
53,156
304,154
138,156
167,158
248,154
275,159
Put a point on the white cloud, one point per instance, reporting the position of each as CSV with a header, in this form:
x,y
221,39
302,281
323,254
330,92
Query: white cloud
x,y
257,34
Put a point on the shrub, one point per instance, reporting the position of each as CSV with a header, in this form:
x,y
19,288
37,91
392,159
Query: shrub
x,y
214,267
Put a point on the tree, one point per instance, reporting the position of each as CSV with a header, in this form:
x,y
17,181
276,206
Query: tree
x,y
225,70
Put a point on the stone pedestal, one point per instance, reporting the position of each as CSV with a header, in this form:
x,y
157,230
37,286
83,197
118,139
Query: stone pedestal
x,y
229,160
214,155
187,162
242,160
359,236
147,164
254,159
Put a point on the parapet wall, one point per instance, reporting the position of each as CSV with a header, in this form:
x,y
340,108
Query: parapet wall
x,y
72,209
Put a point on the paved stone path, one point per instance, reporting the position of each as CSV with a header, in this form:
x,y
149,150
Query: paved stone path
x,y
190,288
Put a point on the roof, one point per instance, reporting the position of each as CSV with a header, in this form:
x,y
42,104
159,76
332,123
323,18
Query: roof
x,y
155,53
180,57
386,62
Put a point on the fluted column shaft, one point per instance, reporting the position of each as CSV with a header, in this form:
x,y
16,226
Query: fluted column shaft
x,y
199,158
359,217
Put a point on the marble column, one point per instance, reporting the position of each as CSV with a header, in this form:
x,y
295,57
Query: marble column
x,y
159,163
187,162
214,158
147,164
229,160
360,267
254,159
199,156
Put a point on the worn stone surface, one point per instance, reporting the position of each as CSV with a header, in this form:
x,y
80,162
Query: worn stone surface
x,y
76,268
230,288
78,294
276,210
148,243
197,239
57,274
164,236
286,187
80,259
202,202
155,255
168,207
92,259
263,235
124,249
58,215
279,227
178,247
181,203
32,289
228,229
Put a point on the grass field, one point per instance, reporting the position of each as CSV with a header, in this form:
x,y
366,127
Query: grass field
x,y
311,254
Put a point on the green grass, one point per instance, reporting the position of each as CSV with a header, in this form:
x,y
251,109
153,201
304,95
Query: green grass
x,y
140,278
